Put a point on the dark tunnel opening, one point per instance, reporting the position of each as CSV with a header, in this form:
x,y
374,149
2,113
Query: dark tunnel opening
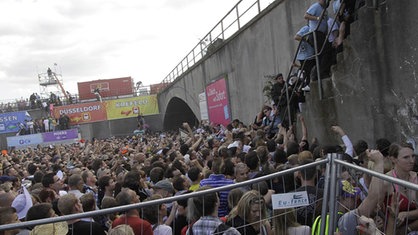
x,y
177,113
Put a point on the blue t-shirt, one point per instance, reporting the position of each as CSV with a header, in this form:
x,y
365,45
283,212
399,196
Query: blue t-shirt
x,y
218,180
305,49
316,10
336,6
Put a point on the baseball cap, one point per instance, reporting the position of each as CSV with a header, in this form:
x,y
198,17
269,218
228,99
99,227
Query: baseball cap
x,y
22,203
164,184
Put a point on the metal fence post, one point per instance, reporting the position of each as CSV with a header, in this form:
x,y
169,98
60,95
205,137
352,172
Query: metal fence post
x,y
236,8
333,194
318,69
258,6
326,196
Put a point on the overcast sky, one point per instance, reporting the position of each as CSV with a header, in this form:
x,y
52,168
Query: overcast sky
x,y
98,39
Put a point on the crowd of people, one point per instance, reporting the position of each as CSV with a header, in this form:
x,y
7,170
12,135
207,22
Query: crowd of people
x,y
8,107
44,182
44,124
35,101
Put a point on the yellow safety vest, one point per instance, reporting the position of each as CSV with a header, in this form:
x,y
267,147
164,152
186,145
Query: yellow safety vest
x,y
316,226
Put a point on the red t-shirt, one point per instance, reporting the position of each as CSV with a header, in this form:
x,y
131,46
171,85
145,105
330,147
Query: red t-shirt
x,y
140,226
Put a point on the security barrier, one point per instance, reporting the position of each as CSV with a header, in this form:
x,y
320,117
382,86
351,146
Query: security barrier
x,y
331,165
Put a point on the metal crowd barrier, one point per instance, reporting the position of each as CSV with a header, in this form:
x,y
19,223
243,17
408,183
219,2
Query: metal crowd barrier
x,y
333,175
384,177
333,167
154,202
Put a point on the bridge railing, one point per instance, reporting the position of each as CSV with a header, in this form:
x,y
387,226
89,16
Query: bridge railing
x,y
234,20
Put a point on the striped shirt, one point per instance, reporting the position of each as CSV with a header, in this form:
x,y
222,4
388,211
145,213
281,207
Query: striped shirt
x,y
215,181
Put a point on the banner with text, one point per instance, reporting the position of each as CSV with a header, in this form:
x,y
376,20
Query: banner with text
x,y
218,102
60,135
82,113
24,140
289,200
131,107
203,105
12,122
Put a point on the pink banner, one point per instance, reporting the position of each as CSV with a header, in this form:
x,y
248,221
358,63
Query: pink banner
x,y
218,102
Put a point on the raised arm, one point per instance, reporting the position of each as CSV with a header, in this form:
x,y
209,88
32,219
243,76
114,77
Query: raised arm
x,y
304,128
282,131
189,129
376,190
197,143
344,137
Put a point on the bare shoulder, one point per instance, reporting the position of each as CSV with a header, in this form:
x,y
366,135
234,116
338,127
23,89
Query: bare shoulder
x,y
413,177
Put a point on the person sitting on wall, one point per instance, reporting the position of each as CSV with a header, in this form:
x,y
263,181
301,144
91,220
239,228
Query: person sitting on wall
x,y
98,95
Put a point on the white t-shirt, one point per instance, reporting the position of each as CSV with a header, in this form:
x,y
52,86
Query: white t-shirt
x,y
30,124
163,229
300,230
46,124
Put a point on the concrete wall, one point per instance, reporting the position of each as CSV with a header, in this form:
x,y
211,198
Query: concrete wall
x,y
119,127
373,90
262,47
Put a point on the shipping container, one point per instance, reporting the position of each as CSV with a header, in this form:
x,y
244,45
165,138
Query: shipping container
x,y
114,87
156,88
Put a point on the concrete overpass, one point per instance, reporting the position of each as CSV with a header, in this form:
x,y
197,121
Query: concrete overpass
x,y
372,92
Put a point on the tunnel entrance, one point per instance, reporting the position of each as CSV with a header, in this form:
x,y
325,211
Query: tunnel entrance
x,y
178,112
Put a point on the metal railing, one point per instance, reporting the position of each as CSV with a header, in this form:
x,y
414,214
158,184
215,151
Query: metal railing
x,y
317,52
233,21
337,163
331,175
332,179
157,202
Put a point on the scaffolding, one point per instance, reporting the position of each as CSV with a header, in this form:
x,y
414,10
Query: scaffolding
x,y
51,79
